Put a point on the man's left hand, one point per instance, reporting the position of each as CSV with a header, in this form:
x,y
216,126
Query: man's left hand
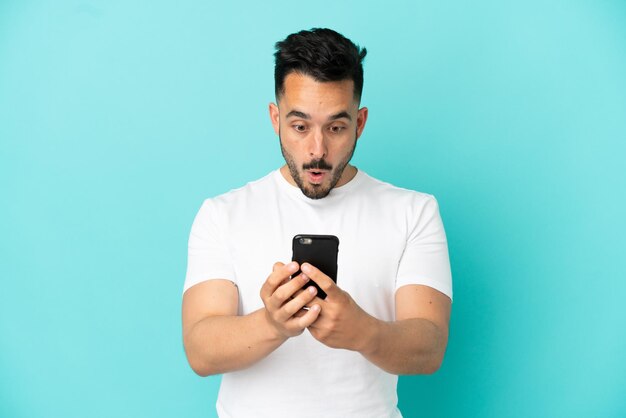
x,y
341,322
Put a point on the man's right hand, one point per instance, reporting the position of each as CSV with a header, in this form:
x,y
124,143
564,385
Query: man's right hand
x,y
284,303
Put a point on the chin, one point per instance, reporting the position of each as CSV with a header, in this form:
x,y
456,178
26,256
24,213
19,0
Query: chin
x,y
315,193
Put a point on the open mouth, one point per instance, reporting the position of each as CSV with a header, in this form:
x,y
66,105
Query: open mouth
x,y
316,176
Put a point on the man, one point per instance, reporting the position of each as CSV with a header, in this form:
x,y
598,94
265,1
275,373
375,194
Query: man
x,y
286,352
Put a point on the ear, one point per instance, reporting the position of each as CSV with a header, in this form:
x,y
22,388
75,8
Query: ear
x,y
275,117
361,118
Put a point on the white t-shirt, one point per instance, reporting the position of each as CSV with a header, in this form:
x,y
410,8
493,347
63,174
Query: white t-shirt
x,y
388,237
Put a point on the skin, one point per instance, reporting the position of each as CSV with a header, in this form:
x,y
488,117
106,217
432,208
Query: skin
x,y
315,121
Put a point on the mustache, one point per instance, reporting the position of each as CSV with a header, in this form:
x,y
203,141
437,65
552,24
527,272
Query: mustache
x,y
317,165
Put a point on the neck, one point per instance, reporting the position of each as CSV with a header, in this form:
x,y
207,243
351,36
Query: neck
x,y
348,174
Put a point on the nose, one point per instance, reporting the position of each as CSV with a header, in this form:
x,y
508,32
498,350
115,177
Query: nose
x,y
317,145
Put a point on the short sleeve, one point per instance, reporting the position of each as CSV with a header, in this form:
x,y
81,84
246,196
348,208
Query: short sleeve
x,y
425,260
208,255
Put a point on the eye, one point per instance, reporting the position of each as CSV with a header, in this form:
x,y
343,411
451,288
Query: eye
x,y
299,128
336,129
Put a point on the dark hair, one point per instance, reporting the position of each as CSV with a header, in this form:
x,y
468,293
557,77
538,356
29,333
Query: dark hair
x,y
322,54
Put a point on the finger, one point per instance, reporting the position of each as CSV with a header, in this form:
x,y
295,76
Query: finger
x,y
301,313
319,301
289,289
308,318
322,280
280,272
294,306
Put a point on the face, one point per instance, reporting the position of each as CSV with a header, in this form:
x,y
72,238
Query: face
x,y
318,124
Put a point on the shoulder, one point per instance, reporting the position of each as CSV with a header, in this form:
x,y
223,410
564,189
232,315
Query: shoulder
x,y
252,189
218,207
390,193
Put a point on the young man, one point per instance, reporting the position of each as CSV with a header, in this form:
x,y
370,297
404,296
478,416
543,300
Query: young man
x,y
286,352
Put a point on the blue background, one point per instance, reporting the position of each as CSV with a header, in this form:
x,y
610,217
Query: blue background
x,y
118,118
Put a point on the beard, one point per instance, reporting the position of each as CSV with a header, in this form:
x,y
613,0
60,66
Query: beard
x,y
316,191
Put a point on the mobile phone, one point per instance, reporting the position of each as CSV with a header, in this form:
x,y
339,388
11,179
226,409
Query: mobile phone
x,y
320,251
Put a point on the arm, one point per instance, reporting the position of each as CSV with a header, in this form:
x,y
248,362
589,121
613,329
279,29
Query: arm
x,y
416,341
217,340
412,344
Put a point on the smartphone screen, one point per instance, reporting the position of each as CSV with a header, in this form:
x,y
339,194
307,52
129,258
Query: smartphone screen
x,y
319,251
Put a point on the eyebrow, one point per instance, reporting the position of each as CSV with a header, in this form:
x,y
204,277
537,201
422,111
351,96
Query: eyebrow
x,y
302,115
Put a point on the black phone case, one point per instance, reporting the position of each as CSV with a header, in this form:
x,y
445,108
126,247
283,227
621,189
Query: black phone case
x,y
319,251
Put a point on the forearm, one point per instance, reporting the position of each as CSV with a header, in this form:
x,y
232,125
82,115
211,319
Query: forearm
x,y
219,344
410,346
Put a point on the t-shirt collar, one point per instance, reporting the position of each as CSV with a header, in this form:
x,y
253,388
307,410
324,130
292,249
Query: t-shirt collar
x,y
335,193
